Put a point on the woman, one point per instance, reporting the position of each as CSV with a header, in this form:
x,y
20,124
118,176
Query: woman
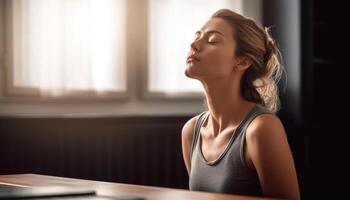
x,y
239,145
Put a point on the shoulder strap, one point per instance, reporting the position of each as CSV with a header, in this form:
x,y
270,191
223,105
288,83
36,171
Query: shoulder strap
x,y
200,120
258,110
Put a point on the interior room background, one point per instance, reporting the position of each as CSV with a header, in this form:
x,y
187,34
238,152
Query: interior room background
x,y
96,90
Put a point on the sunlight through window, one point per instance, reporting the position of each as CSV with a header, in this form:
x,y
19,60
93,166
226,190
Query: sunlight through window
x,y
172,25
60,46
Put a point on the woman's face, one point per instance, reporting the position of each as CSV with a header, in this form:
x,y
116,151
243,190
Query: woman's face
x,y
212,52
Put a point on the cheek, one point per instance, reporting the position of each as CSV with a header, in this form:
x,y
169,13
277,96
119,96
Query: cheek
x,y
221,61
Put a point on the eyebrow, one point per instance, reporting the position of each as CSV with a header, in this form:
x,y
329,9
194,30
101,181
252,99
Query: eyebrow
x,y
211,32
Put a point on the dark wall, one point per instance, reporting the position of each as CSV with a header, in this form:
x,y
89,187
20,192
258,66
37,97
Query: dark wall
x,y
321,93
325,39
137,150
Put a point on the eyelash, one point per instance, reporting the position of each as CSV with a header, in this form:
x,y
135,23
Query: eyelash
x,y
197,36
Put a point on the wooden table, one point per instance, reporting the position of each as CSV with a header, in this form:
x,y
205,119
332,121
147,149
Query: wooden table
x,y
118,189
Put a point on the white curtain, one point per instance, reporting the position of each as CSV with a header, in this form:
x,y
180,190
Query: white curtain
x,y
173,24
62,46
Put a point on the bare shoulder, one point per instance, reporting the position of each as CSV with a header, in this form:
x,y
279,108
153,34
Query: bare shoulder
x,y
269,153
187,138
188,129
266,126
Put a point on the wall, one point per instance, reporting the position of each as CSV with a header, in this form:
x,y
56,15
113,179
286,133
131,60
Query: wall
x,y
128,150
283,16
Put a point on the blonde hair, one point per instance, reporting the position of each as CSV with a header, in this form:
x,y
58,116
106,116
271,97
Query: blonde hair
x,y
259,81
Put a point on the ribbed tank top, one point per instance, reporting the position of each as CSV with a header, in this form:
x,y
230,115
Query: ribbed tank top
x,y
229,173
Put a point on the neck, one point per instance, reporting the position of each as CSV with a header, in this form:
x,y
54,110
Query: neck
x,y
226,105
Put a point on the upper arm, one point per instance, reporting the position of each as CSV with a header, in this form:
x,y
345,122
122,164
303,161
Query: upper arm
x,y
269,151
187,137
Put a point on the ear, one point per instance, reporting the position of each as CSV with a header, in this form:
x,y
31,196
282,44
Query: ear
x,y
243,63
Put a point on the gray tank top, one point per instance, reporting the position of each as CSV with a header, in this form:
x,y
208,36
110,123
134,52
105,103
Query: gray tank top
x,y
229,173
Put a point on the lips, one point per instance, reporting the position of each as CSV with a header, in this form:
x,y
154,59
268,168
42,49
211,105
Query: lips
x,y
192,58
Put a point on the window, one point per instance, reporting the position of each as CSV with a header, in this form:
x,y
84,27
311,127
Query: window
x,y
64,47
61,48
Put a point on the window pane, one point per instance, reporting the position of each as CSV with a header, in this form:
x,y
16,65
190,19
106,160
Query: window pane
x,y
63,45
172,25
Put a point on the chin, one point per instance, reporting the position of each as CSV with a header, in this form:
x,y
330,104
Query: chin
x,y
193,72
188,73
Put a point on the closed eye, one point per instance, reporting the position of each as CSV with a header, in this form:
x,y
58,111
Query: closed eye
x,y
213,39
212,36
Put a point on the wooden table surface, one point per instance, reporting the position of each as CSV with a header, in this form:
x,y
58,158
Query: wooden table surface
x,y
119,189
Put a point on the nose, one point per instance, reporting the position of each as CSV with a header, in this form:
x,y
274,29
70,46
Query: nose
x,y
195,46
